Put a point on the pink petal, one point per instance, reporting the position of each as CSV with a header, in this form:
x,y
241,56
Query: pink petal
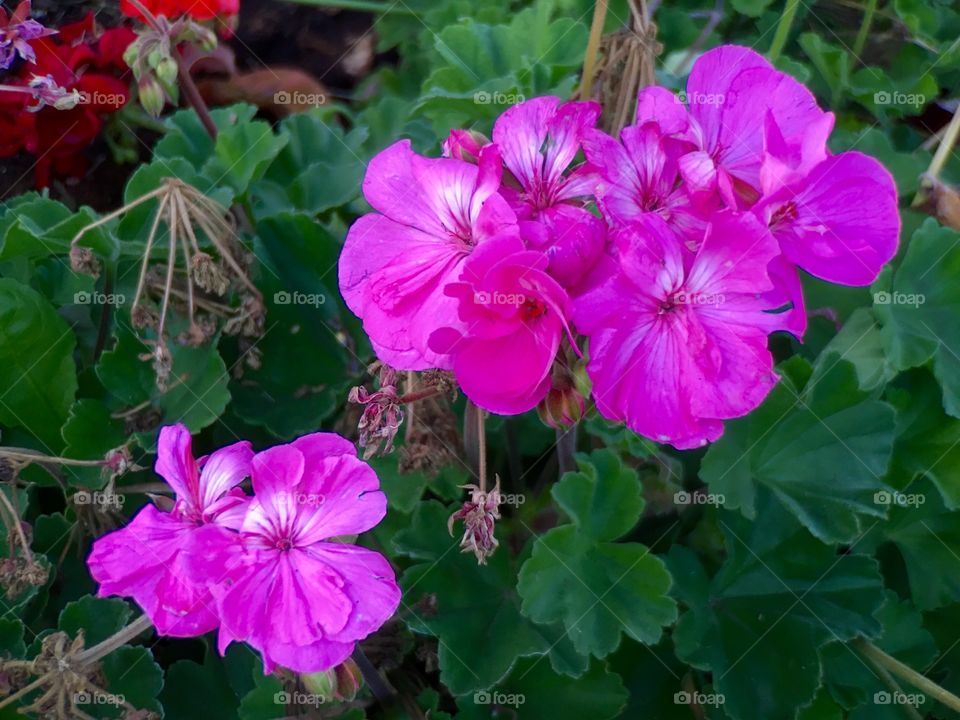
x,y
843,224
175,462
520,133
343,497
369,581
276,472
141,561
659,105
223,470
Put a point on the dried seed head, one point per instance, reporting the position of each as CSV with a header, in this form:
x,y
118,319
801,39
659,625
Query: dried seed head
x,y
144,316
83,261
208,274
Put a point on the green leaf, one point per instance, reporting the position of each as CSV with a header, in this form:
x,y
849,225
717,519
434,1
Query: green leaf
x,y
751,8
197,394
98,618
242,154
319,169
758,624
302,350
477,618
481,68
596,588
38,376
133,673
90,433
187,680
41,227
261,703
653,675
822,450
860,342
928,440
533,690
920,312
11,638
928,538
854,682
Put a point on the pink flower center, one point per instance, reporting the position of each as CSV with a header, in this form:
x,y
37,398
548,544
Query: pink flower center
x,y
533,308
283,544
784,213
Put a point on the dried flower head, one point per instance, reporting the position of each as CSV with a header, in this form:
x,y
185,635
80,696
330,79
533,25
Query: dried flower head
x,y
479,515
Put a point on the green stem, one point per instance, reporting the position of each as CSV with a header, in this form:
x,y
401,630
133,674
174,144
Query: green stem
x,y
361,5
861,40
783,30
878,656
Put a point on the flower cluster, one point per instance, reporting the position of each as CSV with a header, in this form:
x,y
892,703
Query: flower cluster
x,y
673,250
267,570
78,65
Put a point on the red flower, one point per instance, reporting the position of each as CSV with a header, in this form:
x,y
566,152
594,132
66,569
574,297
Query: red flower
x,y
197,9
76,59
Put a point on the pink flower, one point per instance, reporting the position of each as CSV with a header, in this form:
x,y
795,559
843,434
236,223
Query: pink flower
x,y
642,174
677,340
514,315
839,222
145,559
730,93
431,214
539,139
291,590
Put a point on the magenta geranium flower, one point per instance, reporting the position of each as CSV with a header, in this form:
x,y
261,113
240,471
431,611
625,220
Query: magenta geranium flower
x,y
839,222
677,340
292,590
145,559
431,214
539,140
730,94
515,317
641,174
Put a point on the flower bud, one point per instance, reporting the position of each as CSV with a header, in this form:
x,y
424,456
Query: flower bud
x,y
151,95
338,684
166,70
562,408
